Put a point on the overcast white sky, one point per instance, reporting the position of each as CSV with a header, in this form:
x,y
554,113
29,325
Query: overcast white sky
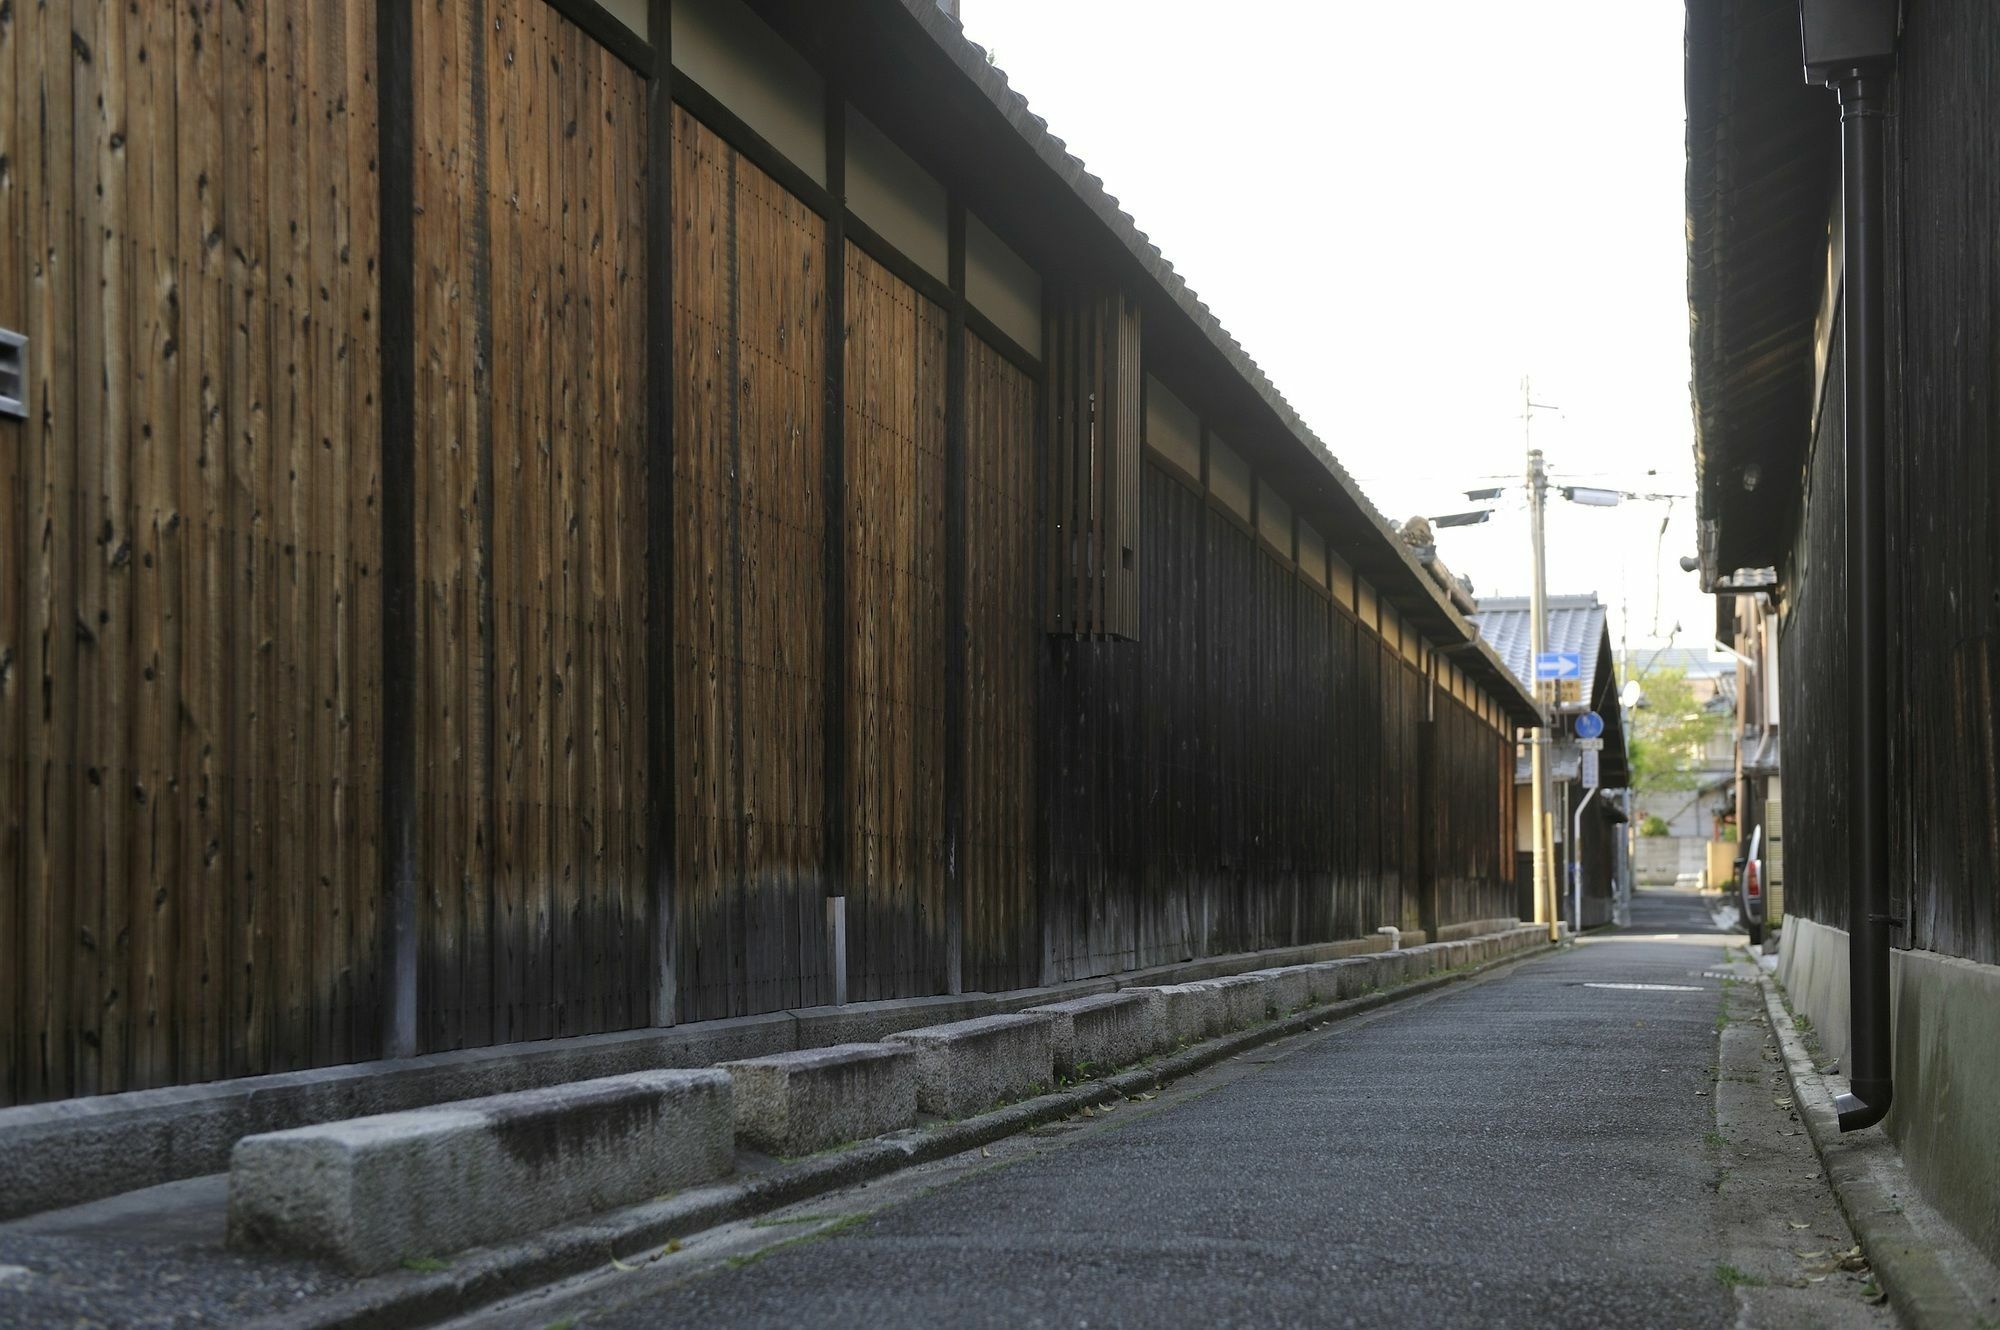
x,y
1400,209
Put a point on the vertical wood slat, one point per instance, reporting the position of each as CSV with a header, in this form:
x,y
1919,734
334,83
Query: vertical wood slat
x,y
954,617
662,827
395,119
1096,415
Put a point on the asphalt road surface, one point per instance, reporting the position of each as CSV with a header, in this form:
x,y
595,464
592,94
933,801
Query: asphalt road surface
x,y
1528,1150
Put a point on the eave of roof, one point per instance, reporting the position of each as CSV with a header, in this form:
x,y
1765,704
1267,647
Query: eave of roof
x,y
1762,175
898,49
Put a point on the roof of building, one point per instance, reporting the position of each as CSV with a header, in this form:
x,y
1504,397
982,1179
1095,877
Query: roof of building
x,y
1576,623
1762,170
909,62
1695,662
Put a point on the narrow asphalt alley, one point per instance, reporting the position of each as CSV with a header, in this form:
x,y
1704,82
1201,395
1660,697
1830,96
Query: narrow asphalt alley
x,y
1536,1149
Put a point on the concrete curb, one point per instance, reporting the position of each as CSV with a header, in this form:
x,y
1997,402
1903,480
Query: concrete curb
x,y
60,1153
410,1299
1871,1185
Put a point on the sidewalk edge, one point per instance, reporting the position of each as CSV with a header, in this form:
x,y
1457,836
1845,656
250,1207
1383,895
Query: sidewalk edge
x,y
1873,1189
405,1300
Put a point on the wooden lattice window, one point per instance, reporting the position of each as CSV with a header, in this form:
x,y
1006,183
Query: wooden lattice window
x,y
1096,411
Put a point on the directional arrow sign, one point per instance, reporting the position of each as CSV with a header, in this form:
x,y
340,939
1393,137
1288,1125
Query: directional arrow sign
x,y
1559,665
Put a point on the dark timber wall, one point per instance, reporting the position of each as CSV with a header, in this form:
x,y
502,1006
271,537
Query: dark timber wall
x,y
1245,775
431,618
1944,552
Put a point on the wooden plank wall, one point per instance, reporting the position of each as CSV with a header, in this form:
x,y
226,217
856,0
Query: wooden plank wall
x,y
191,633
895,441
749,334
1002,934
188,633
530,268
1096,414
1944,484
1245,776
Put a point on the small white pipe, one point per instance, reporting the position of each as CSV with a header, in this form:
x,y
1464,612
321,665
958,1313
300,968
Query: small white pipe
x,y
1576,866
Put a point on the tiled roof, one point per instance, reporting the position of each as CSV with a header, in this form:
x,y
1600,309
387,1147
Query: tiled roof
x,y
1576,623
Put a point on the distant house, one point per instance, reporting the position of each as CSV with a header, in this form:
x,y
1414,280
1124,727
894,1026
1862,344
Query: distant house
x,y
1704,814
1595,865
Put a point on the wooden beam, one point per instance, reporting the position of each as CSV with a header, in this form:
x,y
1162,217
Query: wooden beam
x,y
395,119
954,593
659,297
833,696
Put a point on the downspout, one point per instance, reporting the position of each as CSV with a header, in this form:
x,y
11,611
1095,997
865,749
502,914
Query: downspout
x,y
1863,347
1850,46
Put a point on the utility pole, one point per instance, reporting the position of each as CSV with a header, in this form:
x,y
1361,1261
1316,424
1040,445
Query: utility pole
x,y
1538,491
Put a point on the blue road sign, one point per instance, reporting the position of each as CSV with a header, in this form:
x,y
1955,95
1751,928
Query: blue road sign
x,y
1559,665
1590,725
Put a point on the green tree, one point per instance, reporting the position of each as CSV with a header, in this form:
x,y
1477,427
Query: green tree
x,y
1668,733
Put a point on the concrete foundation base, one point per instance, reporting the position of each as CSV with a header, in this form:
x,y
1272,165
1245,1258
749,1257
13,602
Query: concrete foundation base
x,y
1945,1058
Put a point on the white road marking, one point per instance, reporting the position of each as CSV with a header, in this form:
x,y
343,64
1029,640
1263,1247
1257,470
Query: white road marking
x,y
1655,988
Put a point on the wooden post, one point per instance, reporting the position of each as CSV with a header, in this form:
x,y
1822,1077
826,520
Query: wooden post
x,y
396,115
660,824
833,697
954,593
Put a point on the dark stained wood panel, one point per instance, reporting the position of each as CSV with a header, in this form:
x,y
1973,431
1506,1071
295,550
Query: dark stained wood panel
x,y
189,648
1245,775
1002,923
895,472
749,335
531,151
1096,416
194,769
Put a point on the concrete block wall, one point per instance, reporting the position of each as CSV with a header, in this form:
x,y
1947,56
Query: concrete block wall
x,y
1945,1056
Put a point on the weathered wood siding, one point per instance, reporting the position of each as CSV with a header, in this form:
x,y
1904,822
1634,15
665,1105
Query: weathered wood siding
x,y
206,820
1002,928
895,441
1944,547
530,537
1944,481
1245,775
749,334
188,640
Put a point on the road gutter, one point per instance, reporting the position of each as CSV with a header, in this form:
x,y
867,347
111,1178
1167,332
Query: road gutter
x,y
1933,1277
484,1276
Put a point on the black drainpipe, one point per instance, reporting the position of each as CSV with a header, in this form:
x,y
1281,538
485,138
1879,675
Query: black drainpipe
x,y
1850,46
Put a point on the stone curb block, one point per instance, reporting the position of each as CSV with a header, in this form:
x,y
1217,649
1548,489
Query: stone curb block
x,y
409,1299
1286,989
968,1066
1244,1003
796,1103
371,1192
1185,1013
1104,1030
68,1151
